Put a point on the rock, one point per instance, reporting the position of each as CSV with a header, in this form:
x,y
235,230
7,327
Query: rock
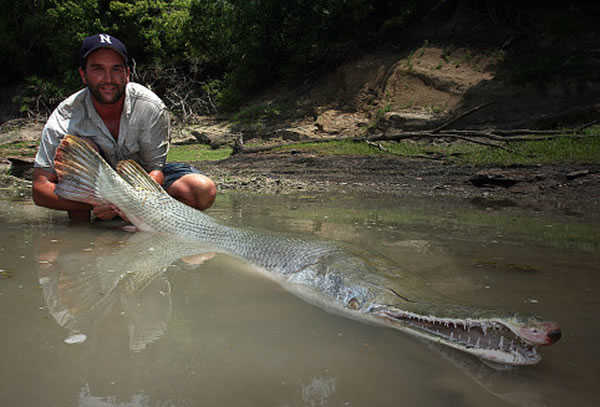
x,y
577,174
201,137
4,166
296,133
214,135
183,136
409,120
337,122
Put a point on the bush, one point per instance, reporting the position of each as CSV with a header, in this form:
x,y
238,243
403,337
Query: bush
x,y
41,96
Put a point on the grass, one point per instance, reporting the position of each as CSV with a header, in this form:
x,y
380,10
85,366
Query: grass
x,y
196,152
23,148
557,151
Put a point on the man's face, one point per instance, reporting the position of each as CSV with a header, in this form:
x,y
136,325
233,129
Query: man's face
x,y
105,75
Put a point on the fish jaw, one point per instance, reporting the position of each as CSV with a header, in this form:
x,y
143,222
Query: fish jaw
x,y
507,341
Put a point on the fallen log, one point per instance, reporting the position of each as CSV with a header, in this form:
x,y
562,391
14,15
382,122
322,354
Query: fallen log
x,y
495,138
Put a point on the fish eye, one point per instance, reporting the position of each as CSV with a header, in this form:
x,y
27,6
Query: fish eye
x,y
353,303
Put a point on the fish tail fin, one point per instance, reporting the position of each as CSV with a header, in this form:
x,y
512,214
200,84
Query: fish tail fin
x,y
138,178
79,168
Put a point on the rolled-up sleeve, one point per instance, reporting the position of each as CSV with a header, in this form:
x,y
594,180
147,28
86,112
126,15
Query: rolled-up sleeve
x,y
51,137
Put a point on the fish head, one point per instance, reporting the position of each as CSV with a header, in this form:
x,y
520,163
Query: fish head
x,y
507,339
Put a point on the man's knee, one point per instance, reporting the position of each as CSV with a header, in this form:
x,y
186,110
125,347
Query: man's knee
x,y
195,190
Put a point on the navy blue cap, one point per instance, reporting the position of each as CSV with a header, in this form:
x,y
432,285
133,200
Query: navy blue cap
x,y
94,42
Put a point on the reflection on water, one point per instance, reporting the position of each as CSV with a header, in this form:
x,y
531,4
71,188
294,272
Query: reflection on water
x,y
158,322
123,271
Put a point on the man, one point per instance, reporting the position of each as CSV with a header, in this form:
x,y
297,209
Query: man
x,y
122,120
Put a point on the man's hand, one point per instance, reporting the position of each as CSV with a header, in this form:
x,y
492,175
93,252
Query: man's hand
x,y
108,212
105,212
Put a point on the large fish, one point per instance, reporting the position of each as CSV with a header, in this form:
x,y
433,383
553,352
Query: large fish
x,y
319,272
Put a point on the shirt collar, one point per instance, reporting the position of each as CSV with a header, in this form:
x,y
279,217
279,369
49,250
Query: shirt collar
x,y
127,102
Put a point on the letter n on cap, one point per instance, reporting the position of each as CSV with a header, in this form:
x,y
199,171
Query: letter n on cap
x,y
104,38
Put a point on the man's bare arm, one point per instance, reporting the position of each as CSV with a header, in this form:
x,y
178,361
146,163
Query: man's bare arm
x,y
43,186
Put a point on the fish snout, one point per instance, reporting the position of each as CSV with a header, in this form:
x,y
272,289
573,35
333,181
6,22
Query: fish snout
x,y
541,333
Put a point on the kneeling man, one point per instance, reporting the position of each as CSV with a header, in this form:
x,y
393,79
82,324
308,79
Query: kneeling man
x,y
122,120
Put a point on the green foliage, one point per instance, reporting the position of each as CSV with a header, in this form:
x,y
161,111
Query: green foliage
x,y
209,32
236,46
40,95
153,29
69,22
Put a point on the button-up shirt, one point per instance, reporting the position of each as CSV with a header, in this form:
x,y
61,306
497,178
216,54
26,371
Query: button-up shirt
x,y
143,129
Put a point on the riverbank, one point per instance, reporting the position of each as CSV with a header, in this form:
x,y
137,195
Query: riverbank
x,y
569,188
573,189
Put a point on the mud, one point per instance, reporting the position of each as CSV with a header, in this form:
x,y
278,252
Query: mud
x,y
571,189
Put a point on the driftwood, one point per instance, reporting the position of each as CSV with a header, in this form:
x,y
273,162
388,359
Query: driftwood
x,y
495,138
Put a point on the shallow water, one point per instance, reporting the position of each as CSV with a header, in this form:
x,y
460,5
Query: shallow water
x,y
93,316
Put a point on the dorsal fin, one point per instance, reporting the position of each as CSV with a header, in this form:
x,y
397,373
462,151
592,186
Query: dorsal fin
x,y
137,177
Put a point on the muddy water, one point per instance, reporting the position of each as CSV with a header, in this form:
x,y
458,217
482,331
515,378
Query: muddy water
x,y
93,316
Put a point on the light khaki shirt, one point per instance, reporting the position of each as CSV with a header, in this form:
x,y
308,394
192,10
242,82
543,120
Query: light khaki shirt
x,y
143,130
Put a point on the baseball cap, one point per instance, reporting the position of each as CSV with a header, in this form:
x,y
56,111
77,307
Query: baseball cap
x,y
97,41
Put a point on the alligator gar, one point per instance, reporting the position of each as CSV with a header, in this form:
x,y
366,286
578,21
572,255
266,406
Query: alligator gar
x,y
319,272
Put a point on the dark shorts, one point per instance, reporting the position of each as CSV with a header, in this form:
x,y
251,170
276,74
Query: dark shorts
x,y
174,171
